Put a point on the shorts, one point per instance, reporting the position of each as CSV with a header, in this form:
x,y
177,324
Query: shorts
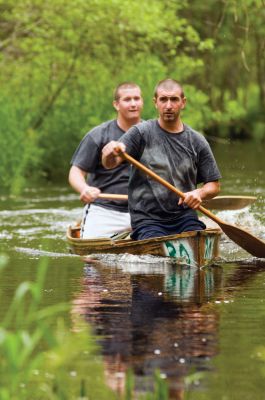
x,y
103,222
155,229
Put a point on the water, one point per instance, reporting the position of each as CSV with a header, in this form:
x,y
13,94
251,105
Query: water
x,y
203,329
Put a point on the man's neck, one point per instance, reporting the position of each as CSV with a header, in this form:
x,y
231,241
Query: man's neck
x,y
172,127
125,124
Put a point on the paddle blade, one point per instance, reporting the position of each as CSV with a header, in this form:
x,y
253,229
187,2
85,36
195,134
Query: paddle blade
x,y
244,239
228,202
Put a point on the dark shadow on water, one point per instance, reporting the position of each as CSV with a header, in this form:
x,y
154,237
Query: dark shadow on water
x,y
165,320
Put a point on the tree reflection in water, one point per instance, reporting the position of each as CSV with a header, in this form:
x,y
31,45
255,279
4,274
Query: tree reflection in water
x,y
163,320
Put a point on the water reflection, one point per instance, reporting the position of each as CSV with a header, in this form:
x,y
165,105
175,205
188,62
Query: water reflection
x,y
243,276
164,320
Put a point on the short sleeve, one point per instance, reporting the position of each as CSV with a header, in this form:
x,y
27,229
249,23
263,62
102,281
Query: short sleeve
x,y
87,155
134,142
207,167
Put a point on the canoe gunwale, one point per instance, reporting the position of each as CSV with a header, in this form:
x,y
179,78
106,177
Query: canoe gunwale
x,y
196,241
112,242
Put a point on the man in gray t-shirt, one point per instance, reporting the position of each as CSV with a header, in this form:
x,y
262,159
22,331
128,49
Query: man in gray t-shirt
x,y
102,217
179,155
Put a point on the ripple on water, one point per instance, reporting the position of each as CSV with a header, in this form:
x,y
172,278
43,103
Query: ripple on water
x,y
135,264
6,235
35,211
36,253
35,224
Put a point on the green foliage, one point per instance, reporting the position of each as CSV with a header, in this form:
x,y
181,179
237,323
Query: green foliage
x,y
160,391
20,153
129,385
160,388
194,115
60,61
39,354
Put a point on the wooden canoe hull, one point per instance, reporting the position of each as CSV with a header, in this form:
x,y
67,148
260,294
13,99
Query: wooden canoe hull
x,y
197,248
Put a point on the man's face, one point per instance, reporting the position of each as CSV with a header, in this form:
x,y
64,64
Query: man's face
x,y
130,103
169,104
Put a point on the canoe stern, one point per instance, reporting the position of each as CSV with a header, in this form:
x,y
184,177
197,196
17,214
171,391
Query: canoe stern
x,y
196,248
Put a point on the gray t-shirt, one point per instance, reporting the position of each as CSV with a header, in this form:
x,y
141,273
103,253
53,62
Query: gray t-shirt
x,y
88,157
183,159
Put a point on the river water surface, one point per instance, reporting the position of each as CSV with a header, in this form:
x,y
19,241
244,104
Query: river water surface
x,y
203,329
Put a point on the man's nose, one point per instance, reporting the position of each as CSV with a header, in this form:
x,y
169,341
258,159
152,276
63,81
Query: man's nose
x,y
133,102
168,103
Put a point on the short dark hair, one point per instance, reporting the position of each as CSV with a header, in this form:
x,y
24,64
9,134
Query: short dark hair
x,y
168,84
124,85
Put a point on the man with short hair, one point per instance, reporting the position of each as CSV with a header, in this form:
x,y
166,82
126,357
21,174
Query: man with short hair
x,y
179,155
104,217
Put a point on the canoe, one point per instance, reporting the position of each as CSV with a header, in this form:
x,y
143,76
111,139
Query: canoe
x,y
196,248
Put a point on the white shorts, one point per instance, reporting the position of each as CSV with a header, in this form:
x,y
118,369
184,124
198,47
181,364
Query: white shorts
x,y
103,222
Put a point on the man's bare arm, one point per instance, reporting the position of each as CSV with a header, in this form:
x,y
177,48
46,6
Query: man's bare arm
x,y
194,198
77,179
110,154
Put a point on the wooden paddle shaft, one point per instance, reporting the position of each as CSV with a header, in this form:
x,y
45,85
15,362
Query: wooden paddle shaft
x,y
216,203
113,196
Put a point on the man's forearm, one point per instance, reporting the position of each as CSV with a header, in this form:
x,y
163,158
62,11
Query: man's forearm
x,y
77,179
194,198
209,190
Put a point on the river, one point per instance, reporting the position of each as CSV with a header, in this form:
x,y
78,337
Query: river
x,y
203,329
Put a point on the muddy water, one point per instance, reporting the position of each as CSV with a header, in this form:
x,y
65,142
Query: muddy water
x,y
203,329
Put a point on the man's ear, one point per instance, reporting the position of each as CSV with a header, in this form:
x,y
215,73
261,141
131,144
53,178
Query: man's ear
x,y
184,102
115,104
154,101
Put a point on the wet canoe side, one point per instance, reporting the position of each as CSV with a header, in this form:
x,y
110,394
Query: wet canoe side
x,y
192,248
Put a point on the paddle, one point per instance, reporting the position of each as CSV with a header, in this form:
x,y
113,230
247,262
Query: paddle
x,y
244,239
217,203
113,196
229,202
